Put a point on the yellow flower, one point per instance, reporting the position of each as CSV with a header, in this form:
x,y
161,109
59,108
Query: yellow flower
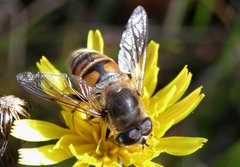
x,y
89,141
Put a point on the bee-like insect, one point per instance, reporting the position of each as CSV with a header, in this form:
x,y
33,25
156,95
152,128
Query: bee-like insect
x,y
102,88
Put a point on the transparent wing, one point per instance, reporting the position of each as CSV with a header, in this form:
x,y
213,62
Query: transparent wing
x,y
132,54
69,92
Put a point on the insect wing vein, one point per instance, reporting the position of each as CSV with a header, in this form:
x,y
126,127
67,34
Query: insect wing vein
x,y
47,86
132,54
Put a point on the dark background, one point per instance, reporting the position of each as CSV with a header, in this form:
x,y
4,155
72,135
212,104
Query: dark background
x,y
204,34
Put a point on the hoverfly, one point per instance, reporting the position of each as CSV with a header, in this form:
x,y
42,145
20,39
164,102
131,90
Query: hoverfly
x,y
102,88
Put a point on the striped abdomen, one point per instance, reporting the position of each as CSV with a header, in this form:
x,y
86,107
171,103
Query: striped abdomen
x,y
93,67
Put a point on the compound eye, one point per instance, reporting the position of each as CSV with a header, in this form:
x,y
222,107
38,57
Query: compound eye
x,y
129,137
146,127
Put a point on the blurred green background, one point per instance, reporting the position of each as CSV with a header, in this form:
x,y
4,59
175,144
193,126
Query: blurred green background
x,y
205,34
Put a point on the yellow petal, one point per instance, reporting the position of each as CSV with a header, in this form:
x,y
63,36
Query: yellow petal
x,y
44,155
144,156
44,65
181,82
68,118
150,164
79,150
107,161
182,109
80,164
90,160
35,130
152,55
181,88
57,80
95,41
81,126
112,163
66,140
125,157
180,146
158,104
160,128
146,99
151,70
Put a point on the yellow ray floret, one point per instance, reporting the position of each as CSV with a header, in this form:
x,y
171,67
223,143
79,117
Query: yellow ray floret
x,y
45,155
95,41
